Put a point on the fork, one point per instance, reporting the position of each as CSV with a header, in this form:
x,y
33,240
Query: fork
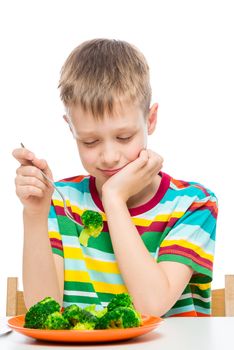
x,y
66,210
4,328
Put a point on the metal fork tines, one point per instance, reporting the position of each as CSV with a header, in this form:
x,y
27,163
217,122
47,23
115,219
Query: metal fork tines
x,y
66,210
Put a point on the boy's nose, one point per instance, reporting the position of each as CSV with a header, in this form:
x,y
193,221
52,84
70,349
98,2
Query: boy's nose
x,y
110,157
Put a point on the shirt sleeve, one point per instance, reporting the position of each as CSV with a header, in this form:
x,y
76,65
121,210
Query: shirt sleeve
x,y
192,239
54,234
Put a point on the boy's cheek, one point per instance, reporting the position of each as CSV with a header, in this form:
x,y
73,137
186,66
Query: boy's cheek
x,y
88,160
135,152
86,157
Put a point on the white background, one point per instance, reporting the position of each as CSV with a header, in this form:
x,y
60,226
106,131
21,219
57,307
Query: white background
x,y
189,47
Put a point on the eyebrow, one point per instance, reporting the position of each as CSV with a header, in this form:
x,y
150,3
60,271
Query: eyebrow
x,y
121,129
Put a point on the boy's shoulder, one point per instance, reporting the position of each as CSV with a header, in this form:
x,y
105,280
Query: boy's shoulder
x,y
183,191
187,187
191,195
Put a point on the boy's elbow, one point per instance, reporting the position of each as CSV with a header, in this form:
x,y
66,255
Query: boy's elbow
x,y
155,302
152,307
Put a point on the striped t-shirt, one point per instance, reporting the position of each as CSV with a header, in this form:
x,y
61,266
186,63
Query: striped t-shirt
x,y
177,224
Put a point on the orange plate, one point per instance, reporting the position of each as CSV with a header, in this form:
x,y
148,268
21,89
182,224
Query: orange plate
x,y
83,336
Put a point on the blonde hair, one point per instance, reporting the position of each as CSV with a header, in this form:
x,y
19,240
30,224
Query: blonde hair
x,y
100,72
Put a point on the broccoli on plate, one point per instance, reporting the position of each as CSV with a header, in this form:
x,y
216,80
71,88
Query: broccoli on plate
x,y
97,313
119,313
121,317
122,299
79,318
93,225
56,321
38,313
70,313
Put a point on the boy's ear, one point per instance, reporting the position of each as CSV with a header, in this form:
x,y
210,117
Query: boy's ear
x,y
152,118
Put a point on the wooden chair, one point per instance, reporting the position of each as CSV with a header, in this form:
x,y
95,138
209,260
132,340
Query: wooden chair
x,y
223,299
15,299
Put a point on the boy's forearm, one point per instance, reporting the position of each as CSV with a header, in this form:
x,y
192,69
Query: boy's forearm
x,y
39,272
144,279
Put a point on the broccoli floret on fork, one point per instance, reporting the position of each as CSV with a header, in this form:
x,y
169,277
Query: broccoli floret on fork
x,y
93,225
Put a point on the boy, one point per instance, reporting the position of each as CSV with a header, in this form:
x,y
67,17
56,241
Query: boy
x,y
158,237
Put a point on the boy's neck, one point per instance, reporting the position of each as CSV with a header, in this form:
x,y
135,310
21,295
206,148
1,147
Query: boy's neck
x,y
146,194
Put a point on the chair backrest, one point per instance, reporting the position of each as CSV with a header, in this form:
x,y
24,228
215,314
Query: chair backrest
x,y
218,302
223,299
15,299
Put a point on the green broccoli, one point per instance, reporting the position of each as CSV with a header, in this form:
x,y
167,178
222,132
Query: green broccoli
x,y
38,313
122,299
83,326
70,313
97,313
93,225
85,317
119,313
56,321
77,316
121,317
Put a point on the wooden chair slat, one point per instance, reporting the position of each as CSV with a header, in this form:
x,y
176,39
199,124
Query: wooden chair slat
x,y
229,295
15,299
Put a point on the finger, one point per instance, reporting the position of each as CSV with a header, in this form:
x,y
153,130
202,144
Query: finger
x,y
143,158
153,154
30,181
24,192
23,155
153,166
30,171
26,157
155,158
139,162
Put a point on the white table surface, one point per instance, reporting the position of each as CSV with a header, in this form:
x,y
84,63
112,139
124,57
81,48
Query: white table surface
x,y
182,333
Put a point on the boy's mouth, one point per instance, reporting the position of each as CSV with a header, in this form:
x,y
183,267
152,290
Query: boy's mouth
x,y
110,171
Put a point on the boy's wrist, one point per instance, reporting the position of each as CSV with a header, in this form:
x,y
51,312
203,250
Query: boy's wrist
x,y
110,196
111,191
35,215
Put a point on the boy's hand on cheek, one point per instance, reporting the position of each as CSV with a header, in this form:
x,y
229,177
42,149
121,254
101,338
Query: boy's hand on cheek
x,y
133,177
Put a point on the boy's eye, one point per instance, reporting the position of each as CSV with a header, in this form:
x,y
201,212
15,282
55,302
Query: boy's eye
x,y
90,143
124,138
94,142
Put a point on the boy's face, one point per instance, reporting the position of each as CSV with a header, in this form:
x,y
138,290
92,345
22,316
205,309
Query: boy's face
x,y
109,144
